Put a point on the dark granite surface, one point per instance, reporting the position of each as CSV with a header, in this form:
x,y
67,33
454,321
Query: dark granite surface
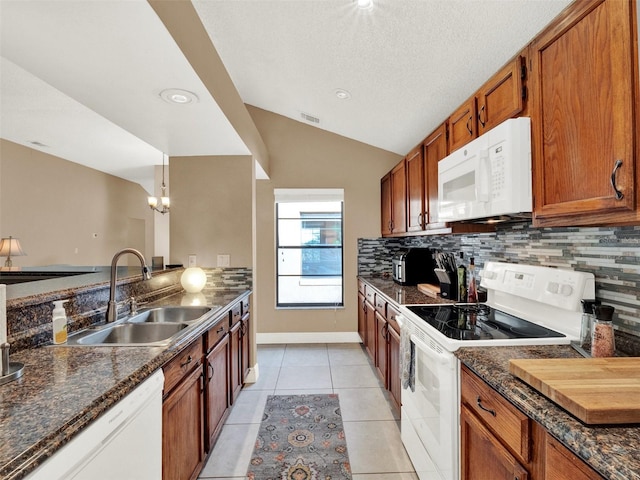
x,y
404,295
614,451
65,388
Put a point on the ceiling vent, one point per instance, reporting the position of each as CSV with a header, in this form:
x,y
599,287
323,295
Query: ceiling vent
x,y
309,118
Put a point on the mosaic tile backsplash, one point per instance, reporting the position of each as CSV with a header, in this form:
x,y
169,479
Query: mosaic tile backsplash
x,y
612,254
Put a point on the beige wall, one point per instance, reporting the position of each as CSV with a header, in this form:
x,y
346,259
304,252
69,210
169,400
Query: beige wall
x,y
55,206
211,209
302,156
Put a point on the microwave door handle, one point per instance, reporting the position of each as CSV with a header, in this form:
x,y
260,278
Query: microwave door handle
x,y
484,176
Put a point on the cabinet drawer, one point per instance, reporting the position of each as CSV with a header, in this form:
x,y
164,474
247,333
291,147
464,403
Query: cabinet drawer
x,y
246,306
361,286
177,368
506,422
236,313
381,305
217,333
369,295
392,312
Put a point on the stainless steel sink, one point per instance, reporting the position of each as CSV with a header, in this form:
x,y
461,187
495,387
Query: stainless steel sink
x,y
154,327
170,314
133,334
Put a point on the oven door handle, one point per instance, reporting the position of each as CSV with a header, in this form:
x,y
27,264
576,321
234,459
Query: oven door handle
x,y
443,358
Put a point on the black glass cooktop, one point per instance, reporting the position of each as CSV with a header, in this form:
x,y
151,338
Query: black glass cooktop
x,y
478,322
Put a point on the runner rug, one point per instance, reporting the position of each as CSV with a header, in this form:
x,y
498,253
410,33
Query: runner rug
x,y
300,438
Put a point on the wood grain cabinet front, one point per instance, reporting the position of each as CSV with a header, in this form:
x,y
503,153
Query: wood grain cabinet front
x,y
393,189
585,116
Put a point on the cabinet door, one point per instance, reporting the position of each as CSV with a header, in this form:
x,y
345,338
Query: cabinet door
x,y
381,347
415,191
399,198
370,337
462,125
482,455
393,374
501,97
362,322
385,204
182,429
245,346
435,149
561,464
235,381
584,125
217,390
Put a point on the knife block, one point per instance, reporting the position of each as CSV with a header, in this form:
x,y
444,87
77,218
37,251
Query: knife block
x,y
449,286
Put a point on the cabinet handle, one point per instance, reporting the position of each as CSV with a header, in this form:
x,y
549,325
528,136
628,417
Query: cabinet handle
x,y
384,330
482,407
468,124
616,166
220,330
187,362
211,370
481,116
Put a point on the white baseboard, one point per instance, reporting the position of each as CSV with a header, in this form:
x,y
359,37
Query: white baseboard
x,y
307,337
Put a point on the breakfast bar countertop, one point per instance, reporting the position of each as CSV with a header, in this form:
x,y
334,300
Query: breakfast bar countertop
x,y
65,388
614,451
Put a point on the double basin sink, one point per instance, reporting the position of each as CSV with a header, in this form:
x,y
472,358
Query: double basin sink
x,y
153,327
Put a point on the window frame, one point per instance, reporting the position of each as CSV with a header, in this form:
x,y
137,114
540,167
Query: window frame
x,y
278,247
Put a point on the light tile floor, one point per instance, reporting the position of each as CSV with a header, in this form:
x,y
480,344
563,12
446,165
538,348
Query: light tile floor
x,y
371,426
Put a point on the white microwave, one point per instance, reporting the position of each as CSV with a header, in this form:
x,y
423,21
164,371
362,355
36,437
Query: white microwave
x,y
490,177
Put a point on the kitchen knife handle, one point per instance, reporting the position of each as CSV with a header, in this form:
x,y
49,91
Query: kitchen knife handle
x,y
616,166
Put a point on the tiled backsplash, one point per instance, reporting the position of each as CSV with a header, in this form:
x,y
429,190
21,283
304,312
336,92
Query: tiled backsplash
x,y
612,254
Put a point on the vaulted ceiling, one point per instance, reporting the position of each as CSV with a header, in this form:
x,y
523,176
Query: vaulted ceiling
x,y
82,79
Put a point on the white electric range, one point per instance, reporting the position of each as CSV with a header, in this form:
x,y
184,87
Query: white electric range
x,y
526,305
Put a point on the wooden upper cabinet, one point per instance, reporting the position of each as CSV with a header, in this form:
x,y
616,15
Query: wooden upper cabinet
x,y
502,97
393,192
434,150
462,125
585,81
385,204
415,191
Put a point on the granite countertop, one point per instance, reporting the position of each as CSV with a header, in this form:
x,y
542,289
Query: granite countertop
x,y
65,388
401,294
614,451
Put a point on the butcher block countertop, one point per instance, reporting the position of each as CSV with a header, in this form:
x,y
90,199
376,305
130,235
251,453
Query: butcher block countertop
x,y
596,390
612,450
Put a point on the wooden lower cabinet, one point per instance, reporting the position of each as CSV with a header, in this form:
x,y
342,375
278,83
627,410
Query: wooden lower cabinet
x,y
483,456
200,385
381,348
561,464
362,321
497,441
235,381
394,383
217,390
182,429
370,335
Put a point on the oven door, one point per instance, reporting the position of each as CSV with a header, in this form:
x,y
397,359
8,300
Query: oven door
x,y
430,413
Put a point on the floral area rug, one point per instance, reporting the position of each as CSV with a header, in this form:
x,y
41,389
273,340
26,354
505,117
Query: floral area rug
x,y
300,438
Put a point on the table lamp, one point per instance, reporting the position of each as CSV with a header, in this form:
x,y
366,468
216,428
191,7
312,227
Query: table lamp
x,y
10,246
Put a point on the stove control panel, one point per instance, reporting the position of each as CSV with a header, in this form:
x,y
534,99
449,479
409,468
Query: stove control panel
x,y
555,287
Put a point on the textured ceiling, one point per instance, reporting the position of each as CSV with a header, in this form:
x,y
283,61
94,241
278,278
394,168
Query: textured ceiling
x,y
83,76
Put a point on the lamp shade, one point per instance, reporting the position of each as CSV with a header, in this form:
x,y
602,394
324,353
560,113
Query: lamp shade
x,y
193,279
11,247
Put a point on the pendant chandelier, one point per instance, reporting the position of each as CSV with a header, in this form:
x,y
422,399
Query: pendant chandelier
x,y
164,199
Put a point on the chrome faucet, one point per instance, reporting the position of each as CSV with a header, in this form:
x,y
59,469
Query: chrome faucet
x,y
112,306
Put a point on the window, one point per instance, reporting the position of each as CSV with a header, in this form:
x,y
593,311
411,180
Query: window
x,y
309,262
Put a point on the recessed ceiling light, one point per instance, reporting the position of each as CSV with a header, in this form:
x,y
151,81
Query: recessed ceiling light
x,y
365,4
342,94
179,96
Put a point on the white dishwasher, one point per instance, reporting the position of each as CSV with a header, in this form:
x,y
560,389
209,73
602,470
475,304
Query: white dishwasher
x,y
125,443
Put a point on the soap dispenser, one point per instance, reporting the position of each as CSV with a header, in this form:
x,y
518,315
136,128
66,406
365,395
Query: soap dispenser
x,y
59,322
